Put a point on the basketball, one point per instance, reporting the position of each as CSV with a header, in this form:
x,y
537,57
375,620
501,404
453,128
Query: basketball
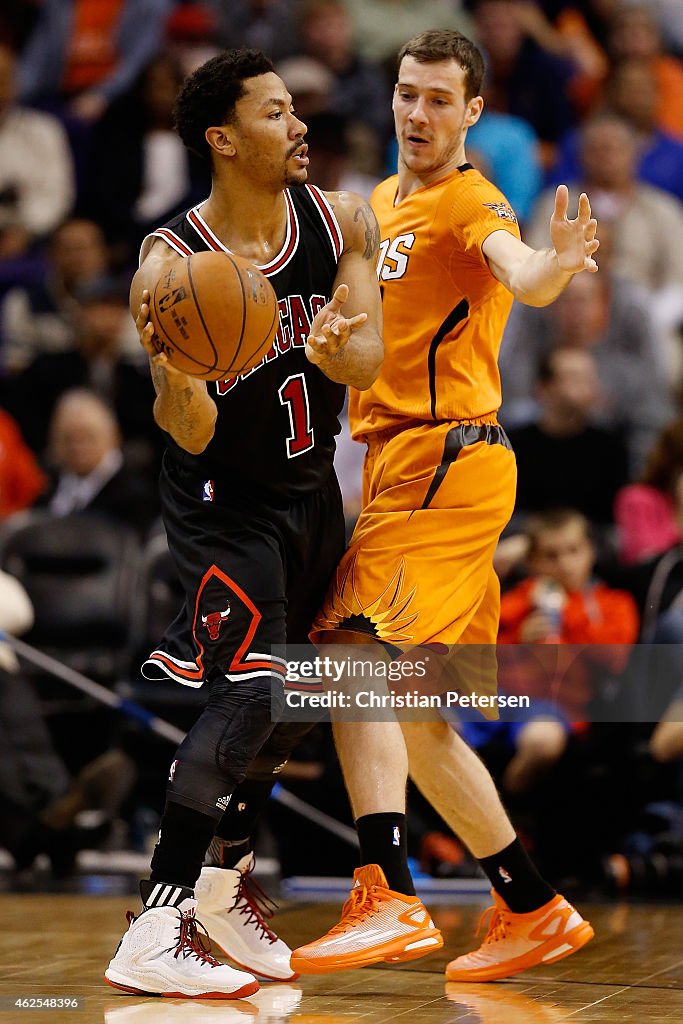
x,y
214,315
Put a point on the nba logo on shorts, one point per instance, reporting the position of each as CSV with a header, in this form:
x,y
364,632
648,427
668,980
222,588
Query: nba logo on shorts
x,y
171,774
397,836
207,493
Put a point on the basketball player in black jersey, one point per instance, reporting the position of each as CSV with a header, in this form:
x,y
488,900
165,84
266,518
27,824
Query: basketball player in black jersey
x,y
251,506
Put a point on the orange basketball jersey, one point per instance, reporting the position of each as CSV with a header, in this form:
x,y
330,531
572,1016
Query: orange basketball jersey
x,y
444,311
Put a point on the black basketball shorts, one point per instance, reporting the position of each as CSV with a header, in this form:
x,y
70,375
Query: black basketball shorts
x,y
254,575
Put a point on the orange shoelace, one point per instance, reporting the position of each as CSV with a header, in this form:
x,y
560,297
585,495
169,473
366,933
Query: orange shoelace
x,y
361,902
256,905
497,925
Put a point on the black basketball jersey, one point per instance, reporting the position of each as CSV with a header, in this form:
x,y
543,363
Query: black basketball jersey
x,y
276,423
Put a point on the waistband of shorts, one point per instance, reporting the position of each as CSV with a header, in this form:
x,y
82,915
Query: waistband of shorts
x,y
381,436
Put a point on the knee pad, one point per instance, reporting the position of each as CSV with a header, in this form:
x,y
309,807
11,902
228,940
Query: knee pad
x,y
214,757
276,751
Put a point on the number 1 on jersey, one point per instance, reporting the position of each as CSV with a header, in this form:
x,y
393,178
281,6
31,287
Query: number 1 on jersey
x,y
294,395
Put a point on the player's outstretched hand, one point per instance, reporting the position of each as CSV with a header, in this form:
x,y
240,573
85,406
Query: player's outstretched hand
x,y
574,240
330,331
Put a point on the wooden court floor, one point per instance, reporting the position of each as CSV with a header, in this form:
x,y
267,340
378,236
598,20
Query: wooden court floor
x,y
58,945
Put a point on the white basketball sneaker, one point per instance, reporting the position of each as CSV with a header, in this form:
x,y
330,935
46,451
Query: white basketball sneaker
x,y
164,953
234,910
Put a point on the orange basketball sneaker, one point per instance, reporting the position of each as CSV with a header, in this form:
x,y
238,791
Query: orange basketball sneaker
x,y
515,942
376,925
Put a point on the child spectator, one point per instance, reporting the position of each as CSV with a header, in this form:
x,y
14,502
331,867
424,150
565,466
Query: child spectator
x,y
560,604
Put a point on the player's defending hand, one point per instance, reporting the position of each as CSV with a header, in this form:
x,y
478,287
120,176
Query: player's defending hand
x,y
574,240
330,331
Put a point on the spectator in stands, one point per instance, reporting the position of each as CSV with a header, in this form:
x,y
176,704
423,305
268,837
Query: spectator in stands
x,y
505,148
330,156
96,362
597,15
361,89
657,584
87,54
44,316
381,27
560,603
90,472
268,25
523,78
36,170
191,35
612,319
563,459
153,176
310,83
647,221
569,29
634,33
21,478
631,93
646,224
645,511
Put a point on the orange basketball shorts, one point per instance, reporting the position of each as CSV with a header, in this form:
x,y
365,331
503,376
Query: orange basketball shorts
x,y
419,567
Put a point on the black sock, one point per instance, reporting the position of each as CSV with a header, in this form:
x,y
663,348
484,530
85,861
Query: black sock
x,y
184,838
515,878
160,894
224,853
244,809
383,841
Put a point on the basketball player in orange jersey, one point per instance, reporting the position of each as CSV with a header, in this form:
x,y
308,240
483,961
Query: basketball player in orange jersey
x,y
252,511
439,487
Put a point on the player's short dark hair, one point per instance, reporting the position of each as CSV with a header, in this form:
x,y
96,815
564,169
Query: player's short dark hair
x,y
209,95
554,519
444,44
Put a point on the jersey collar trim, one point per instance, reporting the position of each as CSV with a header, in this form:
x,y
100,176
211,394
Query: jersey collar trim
x,y
280,261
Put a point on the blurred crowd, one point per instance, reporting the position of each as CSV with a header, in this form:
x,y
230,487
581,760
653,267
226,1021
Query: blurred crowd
x,y
586,92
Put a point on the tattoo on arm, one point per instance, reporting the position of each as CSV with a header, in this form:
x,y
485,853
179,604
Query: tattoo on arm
x,y
157,377
371,231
